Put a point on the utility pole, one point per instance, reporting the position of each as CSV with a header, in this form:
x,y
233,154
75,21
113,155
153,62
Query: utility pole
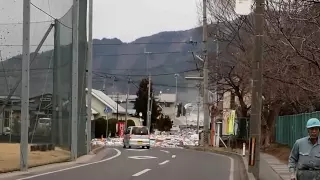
x,y
205,75
148,108
104,85
127,102
151,105
198,108
217,91
257,68
75,80
25,73
117,107
113,81
176,99
89,77
149,90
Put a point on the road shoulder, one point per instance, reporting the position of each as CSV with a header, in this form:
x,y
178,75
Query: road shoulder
x,y
95,156
239,170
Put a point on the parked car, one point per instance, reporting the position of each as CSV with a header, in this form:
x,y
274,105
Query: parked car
x,y
138,136
6,131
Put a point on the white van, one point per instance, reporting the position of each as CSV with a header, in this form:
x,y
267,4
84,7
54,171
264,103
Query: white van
x,y
137,136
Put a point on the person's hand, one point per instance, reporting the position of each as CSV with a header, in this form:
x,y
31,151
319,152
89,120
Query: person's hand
x,y
292,176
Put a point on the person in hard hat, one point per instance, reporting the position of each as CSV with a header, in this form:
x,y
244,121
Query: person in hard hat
x,y
304,159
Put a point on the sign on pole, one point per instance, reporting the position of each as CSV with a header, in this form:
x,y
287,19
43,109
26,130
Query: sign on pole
x,y
107,109
243,7
121,128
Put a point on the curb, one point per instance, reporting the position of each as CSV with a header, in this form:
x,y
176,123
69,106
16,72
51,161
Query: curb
x,y
97,150
275,171
242,174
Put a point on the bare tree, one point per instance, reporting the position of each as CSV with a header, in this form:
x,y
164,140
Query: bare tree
x,y
291,57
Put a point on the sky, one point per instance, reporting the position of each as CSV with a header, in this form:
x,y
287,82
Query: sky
x,y
131,19
126,20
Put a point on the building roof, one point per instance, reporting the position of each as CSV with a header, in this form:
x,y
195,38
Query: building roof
x,y
132,111
169,98
123,97
106,100
94,112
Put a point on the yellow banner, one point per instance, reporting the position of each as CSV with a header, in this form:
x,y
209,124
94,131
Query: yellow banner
x,y
231,120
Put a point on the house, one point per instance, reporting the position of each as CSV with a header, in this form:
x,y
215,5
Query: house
x,y
39,106
167,104
230,102
105,107
9,111
165,101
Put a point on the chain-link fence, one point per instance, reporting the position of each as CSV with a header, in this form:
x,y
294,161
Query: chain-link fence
x,y
50,73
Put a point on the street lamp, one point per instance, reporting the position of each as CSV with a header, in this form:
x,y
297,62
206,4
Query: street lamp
x,y
198,57
140,119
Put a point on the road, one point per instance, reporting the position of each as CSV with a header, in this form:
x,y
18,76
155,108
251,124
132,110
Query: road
x,y
143,164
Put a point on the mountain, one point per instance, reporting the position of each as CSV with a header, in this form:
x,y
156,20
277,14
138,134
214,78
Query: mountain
x,y
113,58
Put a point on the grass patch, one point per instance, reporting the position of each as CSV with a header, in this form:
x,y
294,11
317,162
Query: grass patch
x,y
10,157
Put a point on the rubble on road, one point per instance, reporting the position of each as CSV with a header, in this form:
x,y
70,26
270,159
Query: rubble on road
x,y
159,139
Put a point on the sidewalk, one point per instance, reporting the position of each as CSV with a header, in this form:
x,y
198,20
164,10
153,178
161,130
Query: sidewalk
x,y
274,164
270,168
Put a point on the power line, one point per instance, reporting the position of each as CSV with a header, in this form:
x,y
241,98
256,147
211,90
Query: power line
x,y
105,44
34,22
141,43
19,45
49,15
135,54
163,74
138,69
153,84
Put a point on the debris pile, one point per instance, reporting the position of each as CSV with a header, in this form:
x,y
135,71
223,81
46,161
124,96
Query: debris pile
x,y
159,139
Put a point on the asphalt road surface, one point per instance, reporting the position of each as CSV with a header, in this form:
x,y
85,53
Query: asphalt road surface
x,y
143,164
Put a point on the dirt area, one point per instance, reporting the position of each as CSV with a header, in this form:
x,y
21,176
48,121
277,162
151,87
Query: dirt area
x,y
281,152
10,157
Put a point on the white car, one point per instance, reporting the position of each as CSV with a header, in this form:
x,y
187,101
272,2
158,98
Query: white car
x,y
6,131
137,136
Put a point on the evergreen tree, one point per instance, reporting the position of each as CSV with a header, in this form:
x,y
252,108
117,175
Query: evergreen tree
x,y
141,103
164,123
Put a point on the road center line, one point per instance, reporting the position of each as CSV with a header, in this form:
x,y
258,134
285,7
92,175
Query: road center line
x,y
141,172
165,151
73,167
173,156
164,162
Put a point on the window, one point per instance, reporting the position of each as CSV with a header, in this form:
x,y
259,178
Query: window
x,y
6,118
140,131
127,131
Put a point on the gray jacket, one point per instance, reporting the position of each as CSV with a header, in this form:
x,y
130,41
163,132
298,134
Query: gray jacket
x,y
304,155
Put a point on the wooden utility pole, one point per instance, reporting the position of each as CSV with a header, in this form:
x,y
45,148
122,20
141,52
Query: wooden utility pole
x,y
205,76
255,119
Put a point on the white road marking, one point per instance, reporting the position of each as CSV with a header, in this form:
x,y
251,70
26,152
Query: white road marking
x,y
231,164
173,156
231,168
142,157
141,172
165,151
136,149
164,162
74,167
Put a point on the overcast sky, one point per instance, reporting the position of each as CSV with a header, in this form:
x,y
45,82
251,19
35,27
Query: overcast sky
x,y
123,19
131,19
